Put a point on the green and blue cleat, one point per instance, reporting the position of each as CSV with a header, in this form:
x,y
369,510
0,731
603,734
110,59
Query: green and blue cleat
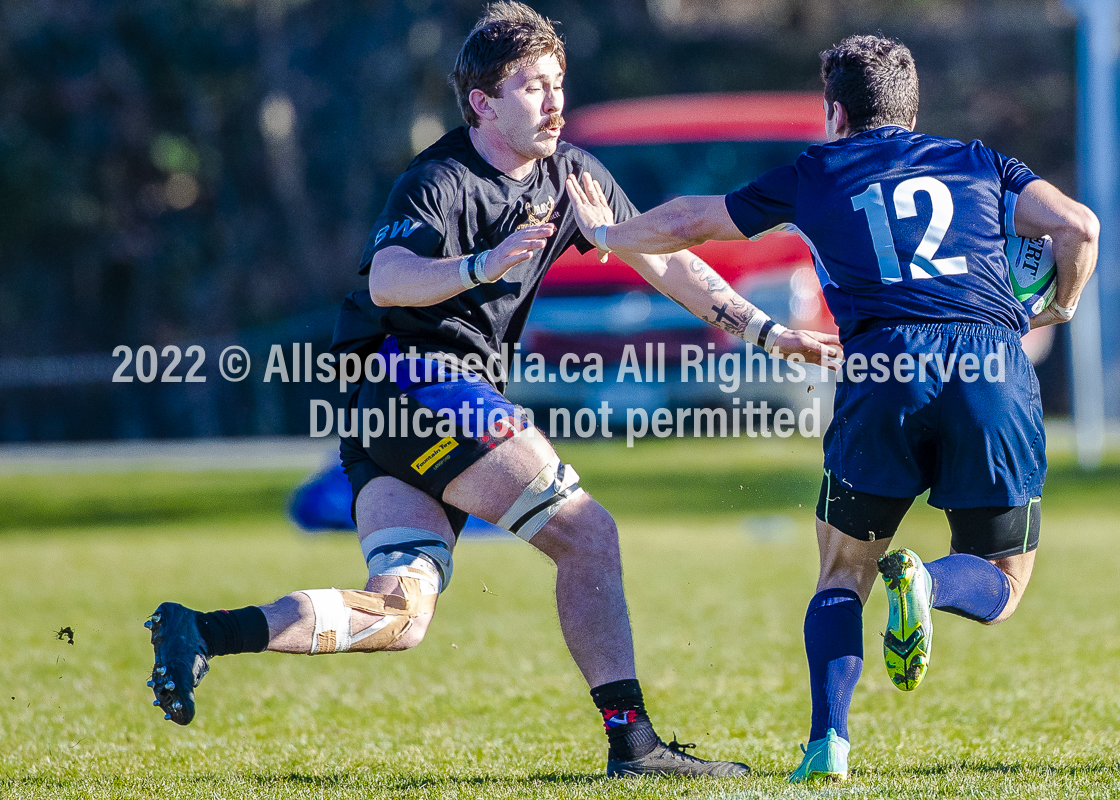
x,y
909,636
825,759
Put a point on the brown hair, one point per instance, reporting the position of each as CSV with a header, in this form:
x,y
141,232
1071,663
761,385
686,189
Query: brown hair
x,y
874,78
507,37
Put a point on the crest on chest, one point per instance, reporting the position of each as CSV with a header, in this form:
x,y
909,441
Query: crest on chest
x,y
537,213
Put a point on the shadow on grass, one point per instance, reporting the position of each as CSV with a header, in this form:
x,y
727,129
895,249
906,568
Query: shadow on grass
x,y
419,781
1016,769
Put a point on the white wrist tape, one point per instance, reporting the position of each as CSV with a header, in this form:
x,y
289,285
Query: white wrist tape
x,y
480,267
465,274
600,237
1063,312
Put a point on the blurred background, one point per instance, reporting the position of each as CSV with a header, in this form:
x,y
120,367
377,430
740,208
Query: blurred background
x,y
206,172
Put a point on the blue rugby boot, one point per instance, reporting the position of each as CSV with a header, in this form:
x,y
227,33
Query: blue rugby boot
x,y
826,759
909,635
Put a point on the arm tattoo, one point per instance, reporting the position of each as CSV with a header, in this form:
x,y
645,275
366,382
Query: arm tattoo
x,y
730,321
732,312
708,275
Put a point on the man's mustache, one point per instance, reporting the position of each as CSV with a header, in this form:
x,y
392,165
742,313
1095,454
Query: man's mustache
x,y
554,121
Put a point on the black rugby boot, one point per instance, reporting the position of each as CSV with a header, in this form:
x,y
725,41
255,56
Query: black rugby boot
x,y
181,660
671,759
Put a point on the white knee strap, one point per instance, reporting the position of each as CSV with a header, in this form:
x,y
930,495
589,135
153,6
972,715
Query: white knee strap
x,y
409,552
554,485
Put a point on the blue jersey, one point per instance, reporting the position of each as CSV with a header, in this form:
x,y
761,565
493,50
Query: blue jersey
x,y
903,227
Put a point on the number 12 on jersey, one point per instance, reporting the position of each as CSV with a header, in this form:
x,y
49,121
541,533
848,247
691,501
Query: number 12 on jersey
x,y
923,265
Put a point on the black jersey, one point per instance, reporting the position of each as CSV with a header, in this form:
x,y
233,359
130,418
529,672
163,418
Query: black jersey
x,y
451,202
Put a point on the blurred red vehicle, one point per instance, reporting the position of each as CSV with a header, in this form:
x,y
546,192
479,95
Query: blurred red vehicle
x,y
656,149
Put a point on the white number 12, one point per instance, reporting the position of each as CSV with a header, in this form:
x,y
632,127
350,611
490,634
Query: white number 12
x,y
923,265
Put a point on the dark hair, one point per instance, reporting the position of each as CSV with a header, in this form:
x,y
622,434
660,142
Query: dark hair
x,y
507,37
874,78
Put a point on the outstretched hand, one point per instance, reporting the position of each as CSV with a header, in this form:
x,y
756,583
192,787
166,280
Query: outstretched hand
x,y
517,247
813,346
591,207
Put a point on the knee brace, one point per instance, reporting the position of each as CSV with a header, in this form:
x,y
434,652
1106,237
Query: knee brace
x,y
421,563
408,552
554,485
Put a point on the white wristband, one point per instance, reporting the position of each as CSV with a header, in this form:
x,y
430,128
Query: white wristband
x,y
600,237
1063,312
465,274
754,327
480,267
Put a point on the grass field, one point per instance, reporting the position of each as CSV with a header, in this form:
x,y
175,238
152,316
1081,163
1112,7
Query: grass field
x,y
720,562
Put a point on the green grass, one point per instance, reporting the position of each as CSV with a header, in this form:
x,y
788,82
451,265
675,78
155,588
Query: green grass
x,y
490,706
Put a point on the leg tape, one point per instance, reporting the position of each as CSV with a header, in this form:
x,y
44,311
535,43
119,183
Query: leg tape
x,y
333,617
554,485
408,552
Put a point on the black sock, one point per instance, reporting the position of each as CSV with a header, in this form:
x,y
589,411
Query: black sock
x,y
242,630
629,730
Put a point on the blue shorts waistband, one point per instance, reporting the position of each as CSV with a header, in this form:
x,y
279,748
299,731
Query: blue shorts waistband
x,y
983,329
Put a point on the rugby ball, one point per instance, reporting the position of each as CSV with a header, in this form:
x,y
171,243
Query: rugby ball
x,y
1033,273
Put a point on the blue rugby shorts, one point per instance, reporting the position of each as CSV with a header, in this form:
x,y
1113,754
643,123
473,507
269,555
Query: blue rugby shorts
x,y
972,443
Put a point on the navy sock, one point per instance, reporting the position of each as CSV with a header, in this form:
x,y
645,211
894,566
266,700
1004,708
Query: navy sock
x,y
969,586
629,730
834,645
242,630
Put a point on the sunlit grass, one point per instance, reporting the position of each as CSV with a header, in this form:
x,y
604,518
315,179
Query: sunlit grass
x,y
490,706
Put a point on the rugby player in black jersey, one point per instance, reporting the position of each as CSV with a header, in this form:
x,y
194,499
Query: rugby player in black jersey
x,y
454,262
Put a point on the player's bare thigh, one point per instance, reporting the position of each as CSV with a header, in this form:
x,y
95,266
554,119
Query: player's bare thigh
x,y
490,486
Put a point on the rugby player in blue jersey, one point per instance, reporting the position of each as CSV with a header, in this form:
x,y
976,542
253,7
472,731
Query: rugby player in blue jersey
x,y
454,262
908,234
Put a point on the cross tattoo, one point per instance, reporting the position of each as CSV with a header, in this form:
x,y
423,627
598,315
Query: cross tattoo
x,y
721,314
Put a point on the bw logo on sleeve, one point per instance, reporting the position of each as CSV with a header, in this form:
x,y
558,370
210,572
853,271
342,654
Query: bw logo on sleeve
x,y
401,228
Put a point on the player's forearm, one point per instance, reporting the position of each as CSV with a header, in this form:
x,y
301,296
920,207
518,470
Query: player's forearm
x,y
1044,210
687,280
673,226
1075,254
398,277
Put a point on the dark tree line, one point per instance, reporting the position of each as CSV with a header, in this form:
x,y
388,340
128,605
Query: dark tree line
x,y
178,169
